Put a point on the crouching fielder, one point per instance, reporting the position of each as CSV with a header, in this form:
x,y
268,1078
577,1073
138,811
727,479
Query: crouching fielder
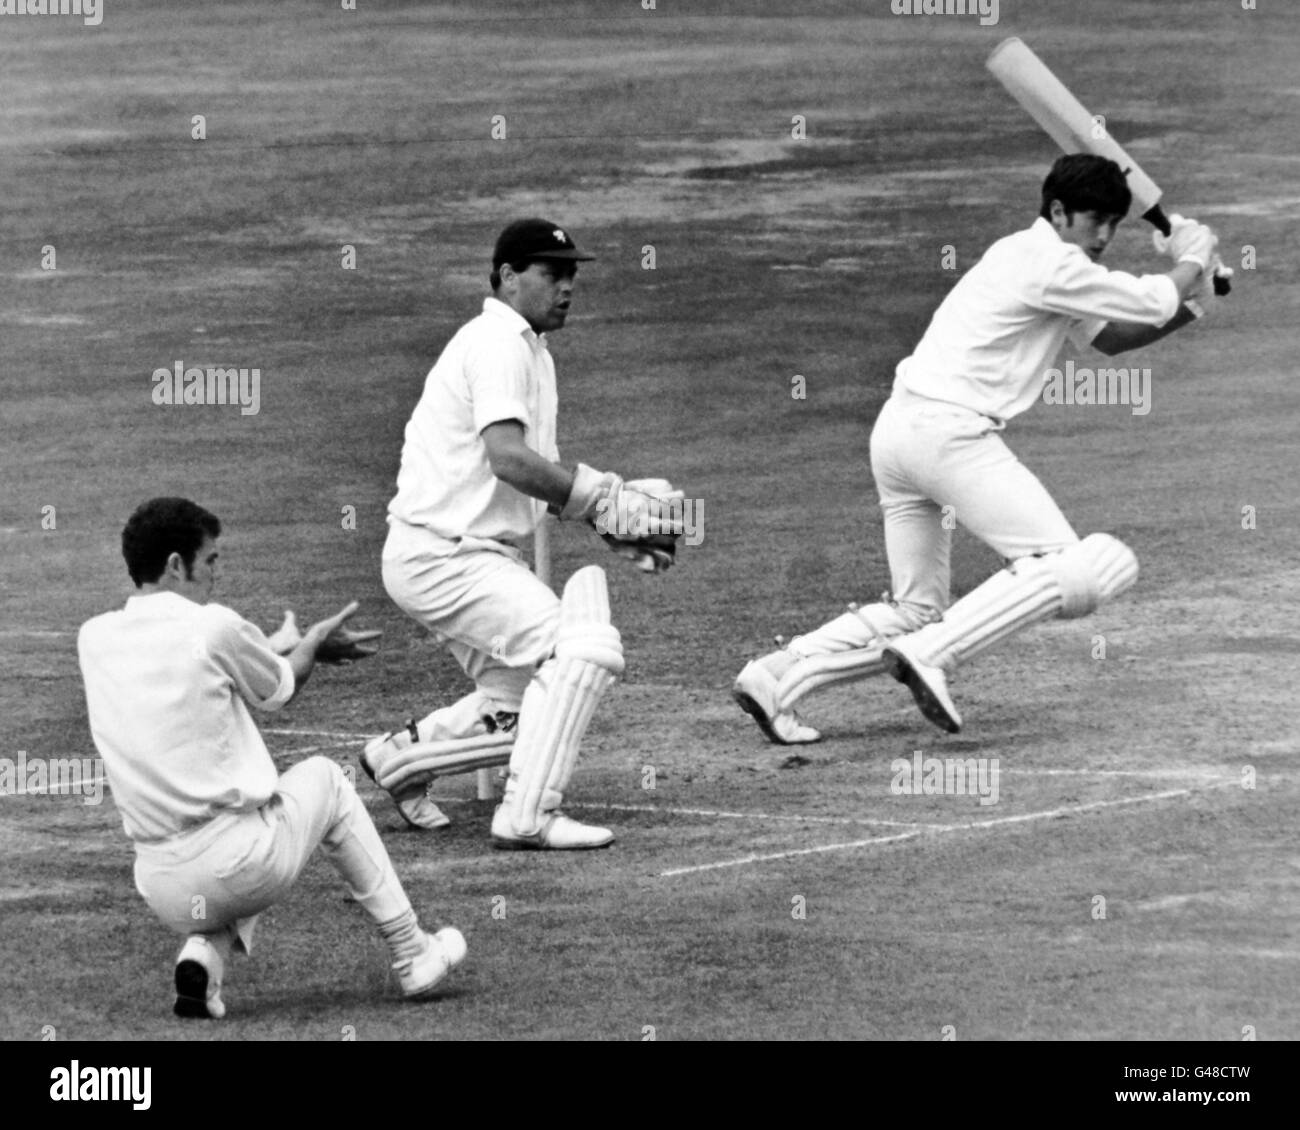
x,y
938,460
219,835
479,470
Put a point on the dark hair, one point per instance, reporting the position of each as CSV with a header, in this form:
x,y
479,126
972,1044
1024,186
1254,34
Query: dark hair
x,y
495,277
161,527
1083,182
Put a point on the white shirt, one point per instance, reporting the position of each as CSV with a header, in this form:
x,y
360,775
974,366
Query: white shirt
x,y
166,685
993,338
495,368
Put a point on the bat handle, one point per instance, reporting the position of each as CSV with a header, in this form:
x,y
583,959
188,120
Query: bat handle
x,y
1155,216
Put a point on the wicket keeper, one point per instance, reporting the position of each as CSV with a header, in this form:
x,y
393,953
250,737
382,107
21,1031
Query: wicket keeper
x,y
479,470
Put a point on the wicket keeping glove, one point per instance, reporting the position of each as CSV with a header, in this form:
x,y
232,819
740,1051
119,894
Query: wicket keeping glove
x,y
637,519
649,552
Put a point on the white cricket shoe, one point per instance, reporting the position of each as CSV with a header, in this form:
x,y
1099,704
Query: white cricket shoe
x,y
418,810
414,802
558,833
198,980
755,691
928,684
442,952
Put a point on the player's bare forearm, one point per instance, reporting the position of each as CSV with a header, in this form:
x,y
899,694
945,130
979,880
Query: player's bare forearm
x,y
302,659
517,464
1119,337
536,477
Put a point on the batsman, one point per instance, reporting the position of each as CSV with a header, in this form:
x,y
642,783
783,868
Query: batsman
x,y
479,471
938,457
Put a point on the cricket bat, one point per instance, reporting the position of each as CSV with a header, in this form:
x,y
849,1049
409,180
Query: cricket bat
x,y
1064,119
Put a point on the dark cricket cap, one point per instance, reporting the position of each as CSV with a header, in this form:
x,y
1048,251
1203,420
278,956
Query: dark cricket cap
x,y
535,239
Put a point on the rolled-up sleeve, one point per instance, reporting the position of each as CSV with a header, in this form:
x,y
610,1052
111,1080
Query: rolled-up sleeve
x,y
264,680
1088,291
497,375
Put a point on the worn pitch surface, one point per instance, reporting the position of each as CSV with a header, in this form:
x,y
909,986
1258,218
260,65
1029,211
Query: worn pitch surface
x,y
1123,741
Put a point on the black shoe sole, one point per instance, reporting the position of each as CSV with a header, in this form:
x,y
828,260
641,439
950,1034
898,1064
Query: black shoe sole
x,y
750,706
365,766
537,845
935,712
191,991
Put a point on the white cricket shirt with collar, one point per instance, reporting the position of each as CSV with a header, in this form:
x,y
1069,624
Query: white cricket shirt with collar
x,y
167,682
993,338
495,368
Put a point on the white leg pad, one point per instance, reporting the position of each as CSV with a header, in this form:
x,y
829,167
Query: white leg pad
x,y
561,700
454,739
1069,583
812,672
1096,570
848,648
423,762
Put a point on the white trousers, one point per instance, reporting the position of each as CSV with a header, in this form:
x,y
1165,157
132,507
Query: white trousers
x,y
217,878
938,465
478,597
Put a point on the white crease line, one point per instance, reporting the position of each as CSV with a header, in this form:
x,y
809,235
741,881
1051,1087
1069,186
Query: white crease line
x,y
323,734
938,830
791,854
33,633
1171,774
755,815
1194,949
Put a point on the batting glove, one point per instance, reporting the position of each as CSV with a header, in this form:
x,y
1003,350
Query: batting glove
x,y
1180,229
1190,242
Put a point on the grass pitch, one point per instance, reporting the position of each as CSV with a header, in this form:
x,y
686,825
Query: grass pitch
x,y
755,892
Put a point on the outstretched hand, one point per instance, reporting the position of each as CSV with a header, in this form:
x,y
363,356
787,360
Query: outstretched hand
x,y
286,637
337,644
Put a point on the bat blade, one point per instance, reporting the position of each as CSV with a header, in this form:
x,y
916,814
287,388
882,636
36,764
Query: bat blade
x,y
1067,122
1063,117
